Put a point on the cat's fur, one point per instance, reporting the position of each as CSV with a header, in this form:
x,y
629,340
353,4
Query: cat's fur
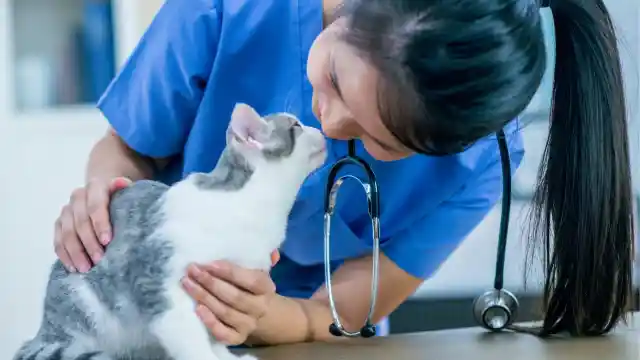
x,y
131,304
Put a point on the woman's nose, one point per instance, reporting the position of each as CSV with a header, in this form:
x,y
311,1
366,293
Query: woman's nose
x,y
336,122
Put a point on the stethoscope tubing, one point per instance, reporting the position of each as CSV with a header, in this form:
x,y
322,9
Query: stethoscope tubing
x,y
490,306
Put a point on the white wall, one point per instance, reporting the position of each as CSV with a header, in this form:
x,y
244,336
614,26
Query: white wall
x,y
43,161
43,155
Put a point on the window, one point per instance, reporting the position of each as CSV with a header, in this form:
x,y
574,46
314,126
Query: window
x,y
62,52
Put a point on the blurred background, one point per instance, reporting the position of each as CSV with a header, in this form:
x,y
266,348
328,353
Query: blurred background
x,y
56,58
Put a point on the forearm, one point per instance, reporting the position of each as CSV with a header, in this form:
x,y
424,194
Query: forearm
x,y
111,158
292,320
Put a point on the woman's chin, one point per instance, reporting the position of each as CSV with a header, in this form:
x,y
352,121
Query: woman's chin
x,y
334,134
382,155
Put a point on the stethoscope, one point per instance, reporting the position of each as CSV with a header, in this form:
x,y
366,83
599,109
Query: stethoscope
x,y
494,310
370,188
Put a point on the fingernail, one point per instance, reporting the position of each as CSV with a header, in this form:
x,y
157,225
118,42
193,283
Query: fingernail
x,y
105,238
97,257
71,269
122,182
84,267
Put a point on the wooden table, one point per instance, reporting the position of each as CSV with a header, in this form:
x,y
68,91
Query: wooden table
x,y
467,344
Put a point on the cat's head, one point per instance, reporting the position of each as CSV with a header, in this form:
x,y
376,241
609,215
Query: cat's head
x,y
277,141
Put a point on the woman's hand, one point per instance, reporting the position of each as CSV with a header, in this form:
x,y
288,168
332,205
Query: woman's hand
x,y
231,299
83,227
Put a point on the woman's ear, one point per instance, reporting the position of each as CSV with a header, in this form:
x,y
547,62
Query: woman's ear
x,y
247,127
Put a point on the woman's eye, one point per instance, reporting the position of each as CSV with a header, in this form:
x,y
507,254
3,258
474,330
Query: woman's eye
x,y
334,82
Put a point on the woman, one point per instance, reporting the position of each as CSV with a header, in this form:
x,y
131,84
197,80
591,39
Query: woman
x,y
424,85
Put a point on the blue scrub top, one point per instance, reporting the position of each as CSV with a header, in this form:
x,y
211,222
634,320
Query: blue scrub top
x,y
175,94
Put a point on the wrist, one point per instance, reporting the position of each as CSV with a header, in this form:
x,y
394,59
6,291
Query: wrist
x,y
287,321
290,320
263,332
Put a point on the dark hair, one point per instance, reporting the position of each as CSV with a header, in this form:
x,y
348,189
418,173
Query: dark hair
x,y
458,70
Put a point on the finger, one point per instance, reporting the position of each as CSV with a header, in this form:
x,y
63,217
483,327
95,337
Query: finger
x,y
197,291
229,294
242,323
275,257
98,198
84,228
220,331
71,242
59,249
255,281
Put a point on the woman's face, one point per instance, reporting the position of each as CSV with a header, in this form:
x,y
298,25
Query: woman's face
x,y
345,89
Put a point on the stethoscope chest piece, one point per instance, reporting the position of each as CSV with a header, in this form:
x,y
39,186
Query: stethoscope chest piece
x,y
495,310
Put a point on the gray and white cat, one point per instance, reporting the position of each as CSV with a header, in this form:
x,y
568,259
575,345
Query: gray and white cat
x,y
131,304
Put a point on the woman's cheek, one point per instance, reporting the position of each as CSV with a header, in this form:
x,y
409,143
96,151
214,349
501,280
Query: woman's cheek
x,y
336,126
331,126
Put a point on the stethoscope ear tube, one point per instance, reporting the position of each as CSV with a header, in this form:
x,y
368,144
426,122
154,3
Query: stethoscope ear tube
x,y
370,187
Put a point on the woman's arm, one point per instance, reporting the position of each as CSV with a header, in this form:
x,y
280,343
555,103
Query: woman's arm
x,y
153,101
110,158
309,320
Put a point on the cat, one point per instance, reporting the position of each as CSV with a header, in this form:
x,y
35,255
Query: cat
x,y
130,305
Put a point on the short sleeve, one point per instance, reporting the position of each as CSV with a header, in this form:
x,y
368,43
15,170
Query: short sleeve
x,y
153,100
422,248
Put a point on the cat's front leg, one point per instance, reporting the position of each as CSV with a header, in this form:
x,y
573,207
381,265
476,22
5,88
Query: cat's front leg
x,y
181,332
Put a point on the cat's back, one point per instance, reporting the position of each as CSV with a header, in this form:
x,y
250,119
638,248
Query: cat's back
x,y
128,280
136,205
140,195
135,214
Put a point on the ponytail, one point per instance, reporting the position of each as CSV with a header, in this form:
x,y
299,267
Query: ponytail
x,y
583,203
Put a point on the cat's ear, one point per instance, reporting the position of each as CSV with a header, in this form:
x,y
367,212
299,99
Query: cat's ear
x,y
247,127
